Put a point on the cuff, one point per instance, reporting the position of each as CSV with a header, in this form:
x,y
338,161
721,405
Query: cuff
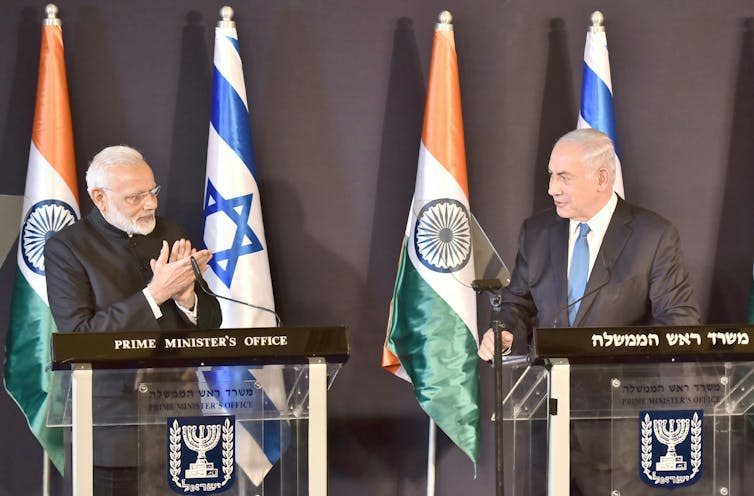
x,y
152,304
190,313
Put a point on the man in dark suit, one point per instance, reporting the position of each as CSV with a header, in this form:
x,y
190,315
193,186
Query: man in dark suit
x,y
636,274
123,268
592,260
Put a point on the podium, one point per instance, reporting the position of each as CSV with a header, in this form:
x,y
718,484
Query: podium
x,y
199,412
634,411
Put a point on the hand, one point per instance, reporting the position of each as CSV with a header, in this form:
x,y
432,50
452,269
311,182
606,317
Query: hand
x,y
172,276
187,297
181,250
487,346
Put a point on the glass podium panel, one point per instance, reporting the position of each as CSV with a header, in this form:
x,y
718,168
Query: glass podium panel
x,y
232,429
681,426
646,429
525,414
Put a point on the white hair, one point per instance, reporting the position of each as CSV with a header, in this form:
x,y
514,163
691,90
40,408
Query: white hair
x,y
597,150
98,173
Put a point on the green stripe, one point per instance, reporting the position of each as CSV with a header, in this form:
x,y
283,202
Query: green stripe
x,y
27,352
438,352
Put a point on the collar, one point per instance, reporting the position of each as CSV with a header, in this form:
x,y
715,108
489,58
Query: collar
x,y
600,220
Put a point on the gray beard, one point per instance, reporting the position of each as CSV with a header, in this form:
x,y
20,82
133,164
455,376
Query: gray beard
x,y
127,224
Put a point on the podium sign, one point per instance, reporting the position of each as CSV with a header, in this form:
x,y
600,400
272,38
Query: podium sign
x,y
671,415
199,412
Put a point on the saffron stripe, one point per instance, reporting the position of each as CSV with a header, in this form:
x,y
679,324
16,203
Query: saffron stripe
x,y
52,131
442,132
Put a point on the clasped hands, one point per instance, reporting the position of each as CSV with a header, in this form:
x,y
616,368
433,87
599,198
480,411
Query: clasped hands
x,y
172,274
487,346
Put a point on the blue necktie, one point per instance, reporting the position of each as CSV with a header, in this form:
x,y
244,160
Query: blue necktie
x,y
578,273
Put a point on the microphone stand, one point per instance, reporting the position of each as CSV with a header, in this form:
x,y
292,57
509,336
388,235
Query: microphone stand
x,y
496,302
205,289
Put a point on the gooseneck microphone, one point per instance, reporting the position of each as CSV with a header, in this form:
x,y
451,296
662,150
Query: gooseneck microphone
x,y
206,290
608,269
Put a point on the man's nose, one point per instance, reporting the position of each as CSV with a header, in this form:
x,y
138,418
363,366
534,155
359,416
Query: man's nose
x,y
150,203
552,188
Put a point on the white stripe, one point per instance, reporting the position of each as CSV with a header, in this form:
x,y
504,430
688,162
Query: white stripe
x,y
228,61
401,372
42,183
596,57
251,456
434,181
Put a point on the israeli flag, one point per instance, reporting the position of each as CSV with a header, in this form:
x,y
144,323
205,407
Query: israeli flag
x,y
234,231
597,91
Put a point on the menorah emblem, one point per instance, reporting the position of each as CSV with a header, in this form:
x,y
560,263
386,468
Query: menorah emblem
x,y
671,432
205,440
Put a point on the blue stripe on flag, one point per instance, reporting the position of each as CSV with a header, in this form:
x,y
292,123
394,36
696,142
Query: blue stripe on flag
x,y
231,121
235,44
597,105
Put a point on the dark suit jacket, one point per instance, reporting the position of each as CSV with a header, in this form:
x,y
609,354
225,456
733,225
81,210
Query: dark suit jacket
x,y
96,272
95,276
638,277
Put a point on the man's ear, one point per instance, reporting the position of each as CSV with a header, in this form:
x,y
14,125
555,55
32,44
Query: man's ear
x,y
98,197
603,178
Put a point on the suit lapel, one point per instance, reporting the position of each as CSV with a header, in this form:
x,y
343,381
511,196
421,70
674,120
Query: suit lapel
x,y
618,232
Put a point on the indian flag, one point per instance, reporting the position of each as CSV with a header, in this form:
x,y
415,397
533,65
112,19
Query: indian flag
x,y
50,203
432,336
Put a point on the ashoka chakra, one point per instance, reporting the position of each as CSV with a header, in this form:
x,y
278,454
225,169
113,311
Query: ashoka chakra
x,y
442,236
44,219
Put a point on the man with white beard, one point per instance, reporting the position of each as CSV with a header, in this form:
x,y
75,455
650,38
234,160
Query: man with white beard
x,y
123,268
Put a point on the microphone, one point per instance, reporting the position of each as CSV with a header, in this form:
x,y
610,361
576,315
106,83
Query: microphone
x,y
203,285
481,285
608,269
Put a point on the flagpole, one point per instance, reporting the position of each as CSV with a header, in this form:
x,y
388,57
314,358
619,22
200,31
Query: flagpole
x,y
51,10
45,474
431,451
427,282
51,20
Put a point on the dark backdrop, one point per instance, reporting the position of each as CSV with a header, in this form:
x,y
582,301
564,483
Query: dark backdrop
x,y
336,90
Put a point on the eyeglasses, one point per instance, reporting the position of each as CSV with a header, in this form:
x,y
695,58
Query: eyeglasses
x,y
138,198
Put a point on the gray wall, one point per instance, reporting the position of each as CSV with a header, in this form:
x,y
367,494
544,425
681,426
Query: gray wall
x,y
337,89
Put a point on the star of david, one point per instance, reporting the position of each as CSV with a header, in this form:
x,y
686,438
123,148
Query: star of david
x,y
245,242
